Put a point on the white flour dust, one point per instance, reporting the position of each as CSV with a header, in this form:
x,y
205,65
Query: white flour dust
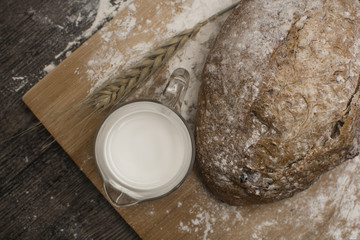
x,y
330,209
191,57
106,10
50,67
20,83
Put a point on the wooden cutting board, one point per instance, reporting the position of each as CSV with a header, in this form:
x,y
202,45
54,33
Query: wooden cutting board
x,y
190,212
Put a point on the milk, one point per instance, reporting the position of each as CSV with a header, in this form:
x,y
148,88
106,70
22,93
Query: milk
x,y
144,148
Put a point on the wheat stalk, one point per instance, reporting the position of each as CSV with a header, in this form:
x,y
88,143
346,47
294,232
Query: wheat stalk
x,y
118,88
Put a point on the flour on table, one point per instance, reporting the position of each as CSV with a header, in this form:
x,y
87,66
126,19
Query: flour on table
x,y
106,10
96,73
329,209
191,56
124,26
49,68
132,7
108,53
20,83
198,11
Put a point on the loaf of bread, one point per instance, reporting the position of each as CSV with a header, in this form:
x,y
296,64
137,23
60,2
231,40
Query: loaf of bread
x,y
279,103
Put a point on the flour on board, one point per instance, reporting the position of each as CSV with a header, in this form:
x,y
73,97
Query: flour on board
x,y
329,209
207,216
191,57
106,9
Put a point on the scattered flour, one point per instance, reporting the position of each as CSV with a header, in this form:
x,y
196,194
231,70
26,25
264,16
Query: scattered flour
x,y
330,209
106,9
191,57
20,83
49,68
132,7
96,73
125,26
198,11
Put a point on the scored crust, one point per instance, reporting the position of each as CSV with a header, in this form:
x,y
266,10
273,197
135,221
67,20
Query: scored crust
x,y
279,102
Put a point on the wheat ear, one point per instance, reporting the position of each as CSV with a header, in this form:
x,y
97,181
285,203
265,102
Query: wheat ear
x,y
118,88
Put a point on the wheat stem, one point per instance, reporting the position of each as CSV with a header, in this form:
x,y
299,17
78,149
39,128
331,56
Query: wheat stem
x,y
118,88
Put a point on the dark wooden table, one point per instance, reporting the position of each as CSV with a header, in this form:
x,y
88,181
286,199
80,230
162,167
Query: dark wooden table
x,y
43,193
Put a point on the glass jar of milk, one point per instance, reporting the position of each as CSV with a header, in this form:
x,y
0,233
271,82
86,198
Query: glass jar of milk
x,y
144,149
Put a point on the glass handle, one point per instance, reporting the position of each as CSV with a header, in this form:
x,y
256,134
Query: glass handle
x,y
173,94
117,197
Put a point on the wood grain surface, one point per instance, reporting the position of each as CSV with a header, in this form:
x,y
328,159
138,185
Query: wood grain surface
x,y
47,196
43,193
67,85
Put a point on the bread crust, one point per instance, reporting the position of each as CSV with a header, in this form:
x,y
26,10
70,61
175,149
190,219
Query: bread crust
x,y
279,103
